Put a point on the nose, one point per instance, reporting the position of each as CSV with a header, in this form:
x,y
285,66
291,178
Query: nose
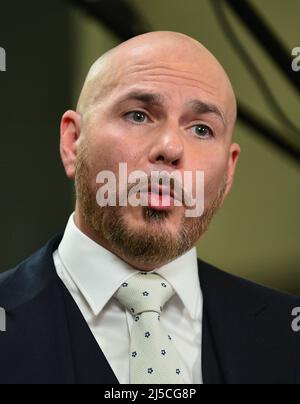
x,y
167,148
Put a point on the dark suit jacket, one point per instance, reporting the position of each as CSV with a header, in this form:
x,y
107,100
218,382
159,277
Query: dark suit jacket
x,y
247,333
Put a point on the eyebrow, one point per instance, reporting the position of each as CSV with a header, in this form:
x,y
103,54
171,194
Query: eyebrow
x,y
146,98
200,107
197,106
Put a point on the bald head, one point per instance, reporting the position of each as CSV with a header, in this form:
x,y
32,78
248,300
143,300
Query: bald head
x,y
158,102
175,51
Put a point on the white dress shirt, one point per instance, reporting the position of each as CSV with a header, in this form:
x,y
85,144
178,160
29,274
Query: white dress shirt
x,y
92,274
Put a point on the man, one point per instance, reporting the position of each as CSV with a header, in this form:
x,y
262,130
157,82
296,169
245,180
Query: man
x,y
121,296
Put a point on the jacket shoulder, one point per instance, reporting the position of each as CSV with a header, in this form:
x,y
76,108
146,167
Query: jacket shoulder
x,y
235,286
28,278
7,276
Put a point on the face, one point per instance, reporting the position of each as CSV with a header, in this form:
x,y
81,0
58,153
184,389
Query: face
x,y
156,115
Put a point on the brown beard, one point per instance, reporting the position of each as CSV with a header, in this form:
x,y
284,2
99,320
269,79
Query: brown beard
x,y
147,246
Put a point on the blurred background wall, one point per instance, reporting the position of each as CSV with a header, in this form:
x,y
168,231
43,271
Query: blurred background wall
x,y
50,47
34,92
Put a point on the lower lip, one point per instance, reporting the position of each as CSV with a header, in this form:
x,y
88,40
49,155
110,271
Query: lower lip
x,y
160,202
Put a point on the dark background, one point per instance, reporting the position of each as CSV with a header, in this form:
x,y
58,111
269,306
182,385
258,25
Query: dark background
x,y
34,91
50,46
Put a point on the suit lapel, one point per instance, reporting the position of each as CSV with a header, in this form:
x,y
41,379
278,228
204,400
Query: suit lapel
x,y
35,346
89,363
212,372
46,328
238,334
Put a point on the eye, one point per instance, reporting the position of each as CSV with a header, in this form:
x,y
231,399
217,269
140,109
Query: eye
x,y
136,117
203,131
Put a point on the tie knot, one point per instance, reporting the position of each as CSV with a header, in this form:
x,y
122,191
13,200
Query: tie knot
x,y
145,292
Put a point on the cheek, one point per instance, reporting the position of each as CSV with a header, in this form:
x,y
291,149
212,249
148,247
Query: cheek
x,y
107,151
214,167
214,180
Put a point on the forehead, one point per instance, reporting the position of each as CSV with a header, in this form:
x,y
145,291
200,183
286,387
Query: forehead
x,y
174,80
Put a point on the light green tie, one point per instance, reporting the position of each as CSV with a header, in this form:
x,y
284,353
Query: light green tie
x,y
153,356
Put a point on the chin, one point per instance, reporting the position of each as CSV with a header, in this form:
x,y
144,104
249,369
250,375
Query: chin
x,y
156,220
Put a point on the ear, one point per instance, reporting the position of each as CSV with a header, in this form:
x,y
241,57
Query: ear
x,y
234,153
70,129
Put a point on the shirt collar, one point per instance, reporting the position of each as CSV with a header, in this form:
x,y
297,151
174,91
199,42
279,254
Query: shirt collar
x,y
98,273
183,275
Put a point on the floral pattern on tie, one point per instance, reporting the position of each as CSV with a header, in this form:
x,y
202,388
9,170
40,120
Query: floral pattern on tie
x,y
153,358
